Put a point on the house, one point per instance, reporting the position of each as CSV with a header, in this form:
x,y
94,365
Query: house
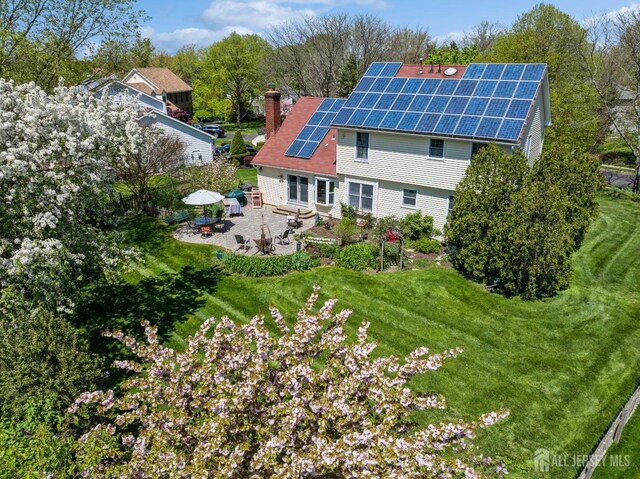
x,y
402,140
162,83
199,146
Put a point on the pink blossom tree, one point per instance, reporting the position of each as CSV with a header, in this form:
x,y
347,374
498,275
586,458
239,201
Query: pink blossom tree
x,y
239,403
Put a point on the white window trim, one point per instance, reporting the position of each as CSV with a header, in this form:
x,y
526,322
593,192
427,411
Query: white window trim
x,y
444,147
315,190
527,146
403,204
374,199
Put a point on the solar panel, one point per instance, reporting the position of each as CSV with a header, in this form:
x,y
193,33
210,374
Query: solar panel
x,y
412,85
476,106
294,148
488,127
428,122
505,89
510,129
512,71
447,124
307,150
467,125
374,118
326,104
364,84
354,99
420,103
493,71
518,109
457,104
474,71
380,84
438,104
386,100
526,90
391,120
497,107
533,72
409,121
485,88
305,133
370,100
374,69
489,100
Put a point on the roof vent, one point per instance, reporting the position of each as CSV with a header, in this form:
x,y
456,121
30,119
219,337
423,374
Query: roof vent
x,y
450,71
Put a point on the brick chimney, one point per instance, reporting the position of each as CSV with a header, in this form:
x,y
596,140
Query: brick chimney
x,y
272,111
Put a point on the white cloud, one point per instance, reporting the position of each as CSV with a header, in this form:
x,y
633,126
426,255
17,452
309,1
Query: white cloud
x,y
256,14
173,40
611,15
448,38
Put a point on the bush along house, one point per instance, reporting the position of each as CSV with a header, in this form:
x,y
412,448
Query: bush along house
x,y
403,138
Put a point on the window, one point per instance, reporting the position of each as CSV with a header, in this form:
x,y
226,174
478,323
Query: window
x,y
436,148
476,147
362,146
451,201
528,147
361,197
325,192
409,198
196,156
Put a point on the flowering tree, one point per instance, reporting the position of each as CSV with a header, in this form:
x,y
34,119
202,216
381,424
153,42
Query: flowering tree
x,y
239,403
219,175
55,152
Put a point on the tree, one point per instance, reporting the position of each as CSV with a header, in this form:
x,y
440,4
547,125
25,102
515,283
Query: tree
x,y
184,63
482,201
44,358
219,175
179,114
233,67
348,77
239,403
40,40
611,54
452,55
483,35
155,153
56,231
517,228
238,148
547,35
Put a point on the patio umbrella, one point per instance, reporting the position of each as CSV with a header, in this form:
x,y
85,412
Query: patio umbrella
x,y
203,197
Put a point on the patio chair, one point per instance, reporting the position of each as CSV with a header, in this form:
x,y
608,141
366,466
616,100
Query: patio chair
x,y
242,243
294,221
205,231
283,239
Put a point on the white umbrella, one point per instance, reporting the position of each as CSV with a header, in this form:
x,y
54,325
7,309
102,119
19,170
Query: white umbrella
x,y
203,197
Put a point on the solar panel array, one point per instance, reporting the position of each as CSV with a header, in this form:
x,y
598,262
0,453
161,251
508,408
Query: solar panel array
x,y
316,128
490,101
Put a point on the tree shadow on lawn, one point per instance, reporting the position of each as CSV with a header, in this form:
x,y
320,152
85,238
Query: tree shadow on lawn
x,y
162,300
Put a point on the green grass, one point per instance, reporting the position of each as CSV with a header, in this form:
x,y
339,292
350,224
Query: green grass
x,y
614,151
250,127
248,175
562,366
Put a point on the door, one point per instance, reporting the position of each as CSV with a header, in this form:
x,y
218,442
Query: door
x,y
298,190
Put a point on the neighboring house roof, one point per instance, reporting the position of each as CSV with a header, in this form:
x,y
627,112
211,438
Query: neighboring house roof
x,y
323,160
178,125
143,87
93,83
117,87
161,79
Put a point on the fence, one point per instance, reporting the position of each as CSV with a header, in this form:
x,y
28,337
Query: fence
x,y
611,435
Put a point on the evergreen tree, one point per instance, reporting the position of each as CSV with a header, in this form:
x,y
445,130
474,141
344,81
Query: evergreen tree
x,y
348,77
238,149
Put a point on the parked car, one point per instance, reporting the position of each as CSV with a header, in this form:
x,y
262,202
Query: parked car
x,y
222,150
214,130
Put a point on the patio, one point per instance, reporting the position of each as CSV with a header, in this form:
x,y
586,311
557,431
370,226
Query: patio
x,y
248,225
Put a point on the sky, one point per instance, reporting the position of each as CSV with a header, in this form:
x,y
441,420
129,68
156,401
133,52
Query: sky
x,y
177,23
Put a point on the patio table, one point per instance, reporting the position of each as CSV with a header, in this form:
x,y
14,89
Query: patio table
x,y
205,221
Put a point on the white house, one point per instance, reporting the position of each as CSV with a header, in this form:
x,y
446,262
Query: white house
x,y
403,139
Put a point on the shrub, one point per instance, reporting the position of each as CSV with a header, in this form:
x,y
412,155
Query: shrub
x,y
238,148
414,226
241,402
325,250
347,211
426,245
358,256
345,229
256,266
259,144
166,197
369,221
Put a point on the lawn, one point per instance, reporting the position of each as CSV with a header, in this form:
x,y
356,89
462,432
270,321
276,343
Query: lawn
x,y
562,366
248,175
614,151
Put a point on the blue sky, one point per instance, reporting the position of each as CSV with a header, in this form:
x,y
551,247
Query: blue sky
x,y
176,23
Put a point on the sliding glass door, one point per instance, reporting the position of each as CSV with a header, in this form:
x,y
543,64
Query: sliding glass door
x,y
298,187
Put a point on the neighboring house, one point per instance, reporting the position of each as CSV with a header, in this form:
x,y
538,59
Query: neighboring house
x,y
402,140
121,92
163,84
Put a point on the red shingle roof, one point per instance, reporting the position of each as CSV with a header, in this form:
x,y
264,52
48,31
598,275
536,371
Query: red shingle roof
x,y
323,160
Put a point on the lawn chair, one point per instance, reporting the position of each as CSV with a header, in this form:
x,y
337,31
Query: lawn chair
x,y
205,231
294,221
283,239
242,243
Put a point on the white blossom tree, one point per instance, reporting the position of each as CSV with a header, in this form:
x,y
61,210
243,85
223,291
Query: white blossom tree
x,y
55,183
239,403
